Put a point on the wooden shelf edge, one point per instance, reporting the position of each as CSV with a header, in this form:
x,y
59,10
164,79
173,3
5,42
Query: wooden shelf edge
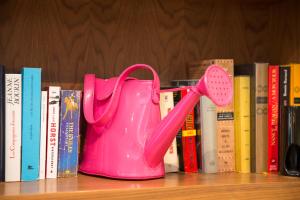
x,y
173,186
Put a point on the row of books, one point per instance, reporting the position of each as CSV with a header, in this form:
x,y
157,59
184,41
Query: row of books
x,y
206,140
274,110
39,129
258,132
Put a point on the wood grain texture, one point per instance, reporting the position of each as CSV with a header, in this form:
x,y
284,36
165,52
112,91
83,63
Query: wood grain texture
x,y
69,38
173,186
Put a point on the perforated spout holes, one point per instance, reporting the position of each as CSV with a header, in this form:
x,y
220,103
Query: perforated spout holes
x,y
219,85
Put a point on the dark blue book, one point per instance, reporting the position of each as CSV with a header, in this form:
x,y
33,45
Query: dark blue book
x,y
69,133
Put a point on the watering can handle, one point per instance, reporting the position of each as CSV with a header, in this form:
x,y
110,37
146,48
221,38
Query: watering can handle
x,y
89,89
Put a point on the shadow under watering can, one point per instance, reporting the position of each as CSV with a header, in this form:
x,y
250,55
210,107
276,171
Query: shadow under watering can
x,y
126,138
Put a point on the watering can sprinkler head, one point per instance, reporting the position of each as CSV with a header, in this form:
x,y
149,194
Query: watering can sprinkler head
x,y
217,85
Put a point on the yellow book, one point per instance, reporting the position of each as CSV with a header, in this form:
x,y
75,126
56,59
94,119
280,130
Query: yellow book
x,y
295,85
242,123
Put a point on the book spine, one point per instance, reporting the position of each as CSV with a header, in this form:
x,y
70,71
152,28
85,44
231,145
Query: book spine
x,y
273,118
198,134
225,126
31,100
242,123
69,133
13,108
284,90
43,141
2,123
295,85
208,135
176,98
259,141
171,157
52,131
253,80
291,161
189,141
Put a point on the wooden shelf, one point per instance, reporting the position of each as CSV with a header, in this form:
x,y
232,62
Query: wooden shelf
x,y
173,186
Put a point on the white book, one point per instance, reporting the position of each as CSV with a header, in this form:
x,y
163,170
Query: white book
x,y
208,117
171,157
13,129
43,141
52,131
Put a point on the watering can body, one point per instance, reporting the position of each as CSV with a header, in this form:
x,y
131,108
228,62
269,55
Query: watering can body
x,y
125,137
117,150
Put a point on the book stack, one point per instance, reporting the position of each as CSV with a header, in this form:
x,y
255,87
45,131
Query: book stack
x,y
274,113
41,128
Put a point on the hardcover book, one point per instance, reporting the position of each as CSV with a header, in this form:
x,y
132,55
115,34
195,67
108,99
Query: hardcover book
x,y
189,141
13,119
52,131
208,135
31,120
242,123
2,123
188,135
69,133
225,117
259,113
176,98
284,95
43,141
291,160
295,85
171,157
273,89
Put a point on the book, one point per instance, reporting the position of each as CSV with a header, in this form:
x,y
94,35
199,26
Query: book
x,y
31,120
171,157
69,133
208,116
52,131
2,123
13,122
258,73
292,156
176,99
294,84
284,95
189,140
225,116
188,134
197,122
242,123
273,90
43,141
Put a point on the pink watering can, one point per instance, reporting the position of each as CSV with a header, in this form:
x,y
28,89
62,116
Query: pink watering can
x,y
126,138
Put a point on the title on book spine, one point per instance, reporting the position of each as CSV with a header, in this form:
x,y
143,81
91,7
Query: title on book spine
x,y
273,118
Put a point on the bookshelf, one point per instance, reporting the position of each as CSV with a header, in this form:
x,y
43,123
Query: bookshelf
x,y
70,38
173,186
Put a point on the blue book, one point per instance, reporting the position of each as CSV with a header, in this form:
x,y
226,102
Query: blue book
x,y
69,133
31,120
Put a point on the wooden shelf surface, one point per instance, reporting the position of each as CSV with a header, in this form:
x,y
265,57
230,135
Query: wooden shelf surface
x,y
173,186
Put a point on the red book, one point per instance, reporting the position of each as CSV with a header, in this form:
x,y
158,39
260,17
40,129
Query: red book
x,y
189,141
273,100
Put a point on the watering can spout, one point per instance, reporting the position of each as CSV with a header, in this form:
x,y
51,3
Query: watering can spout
x,y
215,84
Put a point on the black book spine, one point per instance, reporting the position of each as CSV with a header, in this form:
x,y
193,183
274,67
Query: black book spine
x,y
2,123
284,94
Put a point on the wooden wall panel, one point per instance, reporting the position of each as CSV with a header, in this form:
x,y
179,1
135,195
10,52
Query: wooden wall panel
x,y
69,38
